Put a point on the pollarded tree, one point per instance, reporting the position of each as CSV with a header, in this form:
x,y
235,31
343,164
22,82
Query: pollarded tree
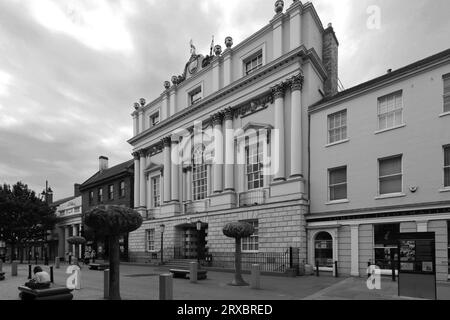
x,y
112,222
238,230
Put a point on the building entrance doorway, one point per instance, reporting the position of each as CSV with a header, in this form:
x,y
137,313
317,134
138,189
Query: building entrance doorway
x,y
323,252
193,241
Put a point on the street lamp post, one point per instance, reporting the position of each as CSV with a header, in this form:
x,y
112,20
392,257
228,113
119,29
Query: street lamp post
x,y
162,243
199,228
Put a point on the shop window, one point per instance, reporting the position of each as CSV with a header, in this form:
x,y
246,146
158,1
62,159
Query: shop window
x,y
386,248
323,250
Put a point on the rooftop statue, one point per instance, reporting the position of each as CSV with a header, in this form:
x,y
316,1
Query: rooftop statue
x,y
193,49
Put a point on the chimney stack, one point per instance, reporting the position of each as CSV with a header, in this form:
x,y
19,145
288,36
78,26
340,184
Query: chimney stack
x,y
330,56
76,190
103,163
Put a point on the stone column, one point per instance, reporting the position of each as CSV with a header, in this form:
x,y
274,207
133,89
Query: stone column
x,y
142,182
137,176
175,179
229,150
278,134
218,153
189,184
296,126
74,234
167,169
354,240
66,236
149,191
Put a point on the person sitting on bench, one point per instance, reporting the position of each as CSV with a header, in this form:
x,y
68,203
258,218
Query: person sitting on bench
x,y
41,279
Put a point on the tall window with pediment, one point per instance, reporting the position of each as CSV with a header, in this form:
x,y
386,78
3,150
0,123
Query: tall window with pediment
x,y
199,173
254,164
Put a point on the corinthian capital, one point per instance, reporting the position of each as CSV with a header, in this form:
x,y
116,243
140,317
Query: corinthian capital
x,y
296,82
278,91
228,114
217,119
167,141
135,155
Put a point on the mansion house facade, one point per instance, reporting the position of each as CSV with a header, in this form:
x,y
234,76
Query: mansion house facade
x,y
259,132
227,141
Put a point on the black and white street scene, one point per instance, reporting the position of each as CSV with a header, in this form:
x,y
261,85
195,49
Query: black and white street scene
x,y
211,150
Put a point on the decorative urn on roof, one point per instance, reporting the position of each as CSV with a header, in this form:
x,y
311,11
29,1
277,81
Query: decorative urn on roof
x,y
229,42
279,6
167,85
218,50
142,102
136,106
174,79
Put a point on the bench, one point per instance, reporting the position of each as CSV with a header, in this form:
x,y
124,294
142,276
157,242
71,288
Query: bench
x,y
184,274
98,266
54,293
2,276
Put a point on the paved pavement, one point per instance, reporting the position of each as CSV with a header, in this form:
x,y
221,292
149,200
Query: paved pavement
x,y
142,283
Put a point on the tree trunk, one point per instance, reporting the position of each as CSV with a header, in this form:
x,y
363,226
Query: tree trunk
x,y
238,280
114,268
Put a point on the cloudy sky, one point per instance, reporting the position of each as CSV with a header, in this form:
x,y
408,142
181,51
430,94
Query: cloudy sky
x,y
70,70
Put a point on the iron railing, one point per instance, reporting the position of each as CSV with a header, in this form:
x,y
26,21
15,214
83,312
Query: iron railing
x,y
252,198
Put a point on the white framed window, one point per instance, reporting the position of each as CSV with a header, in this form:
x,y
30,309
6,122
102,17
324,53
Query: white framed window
x,y
390,175
446,79
122,189
154,119
337,126
390,111
199,173
447,166
253,63
156,191
111,192
337,184
150,234
254,165
250,244
195,95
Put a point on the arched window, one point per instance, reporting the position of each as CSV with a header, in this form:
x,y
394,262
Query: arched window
x,y
323,245
199,173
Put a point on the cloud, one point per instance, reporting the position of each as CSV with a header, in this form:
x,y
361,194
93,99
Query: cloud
x,y
71,69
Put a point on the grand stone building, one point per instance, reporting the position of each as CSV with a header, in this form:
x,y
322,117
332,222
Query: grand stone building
x,y
227,141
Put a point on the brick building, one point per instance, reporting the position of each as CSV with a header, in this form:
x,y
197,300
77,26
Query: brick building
x,y
109,186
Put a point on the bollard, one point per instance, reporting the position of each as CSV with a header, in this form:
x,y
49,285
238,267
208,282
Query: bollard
x,y
29,272
369,264
166,287
255,282
317,268
57,262
1,265
78,283
14,268
393,268
193,272
106,284
335,270
52,279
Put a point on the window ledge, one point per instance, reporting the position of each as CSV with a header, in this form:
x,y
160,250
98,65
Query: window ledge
x,y
444,114
445,190
337,143
390,196
390,129
329,203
